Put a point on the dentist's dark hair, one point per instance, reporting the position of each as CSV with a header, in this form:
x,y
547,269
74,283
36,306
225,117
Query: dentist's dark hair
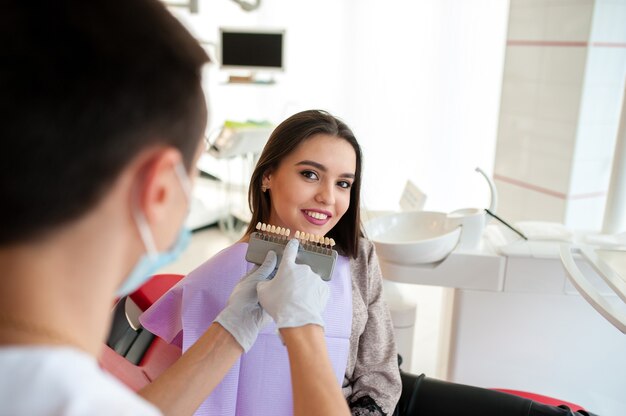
x,y
85,86
285,139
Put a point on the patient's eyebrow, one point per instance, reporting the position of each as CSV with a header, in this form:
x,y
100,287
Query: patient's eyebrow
x,y
323,168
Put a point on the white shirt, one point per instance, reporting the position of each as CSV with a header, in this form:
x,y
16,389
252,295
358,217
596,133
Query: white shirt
x,y
62,381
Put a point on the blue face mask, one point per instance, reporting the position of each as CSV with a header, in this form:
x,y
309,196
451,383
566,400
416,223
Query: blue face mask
x,y
152,261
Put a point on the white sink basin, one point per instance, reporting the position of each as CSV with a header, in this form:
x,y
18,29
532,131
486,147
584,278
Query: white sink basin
x,y
414,237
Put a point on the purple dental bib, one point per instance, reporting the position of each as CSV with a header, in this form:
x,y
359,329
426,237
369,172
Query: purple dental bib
x,y
259,383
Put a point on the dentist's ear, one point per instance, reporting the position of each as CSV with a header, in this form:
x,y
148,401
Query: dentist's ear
x,y
157,189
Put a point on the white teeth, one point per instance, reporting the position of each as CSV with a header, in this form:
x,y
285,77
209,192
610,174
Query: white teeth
x,y
272,229
316,215
310,240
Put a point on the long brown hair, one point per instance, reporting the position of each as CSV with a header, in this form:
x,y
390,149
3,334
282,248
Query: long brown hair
x,y
283,140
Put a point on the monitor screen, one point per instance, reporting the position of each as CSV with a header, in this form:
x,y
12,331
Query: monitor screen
x,y
252,50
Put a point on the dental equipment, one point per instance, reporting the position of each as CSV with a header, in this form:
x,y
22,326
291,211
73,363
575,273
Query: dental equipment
x,y
493,203
315,250
506,224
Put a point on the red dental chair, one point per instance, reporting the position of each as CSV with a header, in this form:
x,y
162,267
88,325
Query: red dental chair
x,y
132,354
136,357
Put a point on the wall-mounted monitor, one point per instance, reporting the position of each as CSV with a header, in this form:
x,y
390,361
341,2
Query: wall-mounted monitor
x,y
252,49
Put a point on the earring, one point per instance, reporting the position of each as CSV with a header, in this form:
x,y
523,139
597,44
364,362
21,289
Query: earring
x,y
264,188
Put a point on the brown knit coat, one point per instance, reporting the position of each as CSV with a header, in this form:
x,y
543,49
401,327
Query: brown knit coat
x,y
372,368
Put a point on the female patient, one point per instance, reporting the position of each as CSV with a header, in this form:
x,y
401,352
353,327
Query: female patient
x,y
308,179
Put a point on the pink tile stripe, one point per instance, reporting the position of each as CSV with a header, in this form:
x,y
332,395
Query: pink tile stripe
x,y
513,42
608,44
547,191
565,44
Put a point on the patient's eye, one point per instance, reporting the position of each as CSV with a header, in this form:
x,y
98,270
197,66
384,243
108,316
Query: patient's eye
x,y
309,174
344,184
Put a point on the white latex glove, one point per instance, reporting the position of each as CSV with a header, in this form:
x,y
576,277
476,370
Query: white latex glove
x,y
296,296
243,317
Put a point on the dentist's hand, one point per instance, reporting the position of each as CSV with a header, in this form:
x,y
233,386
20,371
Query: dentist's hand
x,y
243,317
295,296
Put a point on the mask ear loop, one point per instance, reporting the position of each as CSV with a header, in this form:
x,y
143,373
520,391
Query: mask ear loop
x,y
144,229
144,232
184,179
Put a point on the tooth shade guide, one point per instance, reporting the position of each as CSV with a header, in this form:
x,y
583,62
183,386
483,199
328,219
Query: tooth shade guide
x,y
313,250
313,242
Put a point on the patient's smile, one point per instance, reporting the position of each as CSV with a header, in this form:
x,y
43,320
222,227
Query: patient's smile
x,y
317,215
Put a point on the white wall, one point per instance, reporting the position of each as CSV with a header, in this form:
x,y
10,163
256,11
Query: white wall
x,y
418,81
424,96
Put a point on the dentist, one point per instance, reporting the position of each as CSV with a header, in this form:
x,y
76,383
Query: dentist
x,y
102,118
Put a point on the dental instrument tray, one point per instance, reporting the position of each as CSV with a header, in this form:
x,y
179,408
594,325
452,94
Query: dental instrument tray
x,y
314,250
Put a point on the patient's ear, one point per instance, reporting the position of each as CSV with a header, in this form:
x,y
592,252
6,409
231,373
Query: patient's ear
x,y
267,179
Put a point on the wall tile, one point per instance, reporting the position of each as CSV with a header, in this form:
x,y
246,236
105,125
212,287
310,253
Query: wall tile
x,y
537,175
542,207
559,102
536,151
523,63
550,173
519,97
556,139
510,199
513,153
563,66
526,20
568,21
